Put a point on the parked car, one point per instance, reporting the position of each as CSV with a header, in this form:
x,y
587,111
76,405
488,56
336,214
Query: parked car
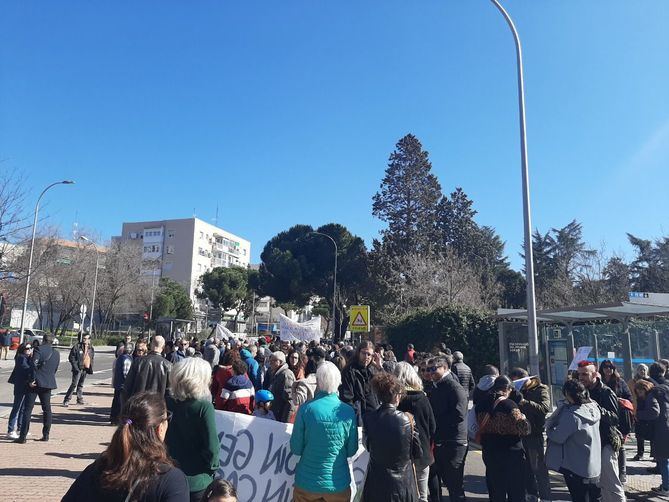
x,y
35,334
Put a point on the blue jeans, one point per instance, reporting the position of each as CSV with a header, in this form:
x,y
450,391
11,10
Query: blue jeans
x,y
18,408
663,465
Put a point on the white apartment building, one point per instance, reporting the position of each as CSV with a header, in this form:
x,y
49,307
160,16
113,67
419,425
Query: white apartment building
x,y
184,249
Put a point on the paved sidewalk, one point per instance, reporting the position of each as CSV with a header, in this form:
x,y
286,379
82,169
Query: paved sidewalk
x,y
38,471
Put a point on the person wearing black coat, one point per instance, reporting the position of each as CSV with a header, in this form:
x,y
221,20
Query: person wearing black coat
x,y
20,378
42,381
355,388
149,373
417,403
449,402
659,444
81,359
391,439
464,373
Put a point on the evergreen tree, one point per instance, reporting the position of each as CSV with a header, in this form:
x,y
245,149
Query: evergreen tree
x,y
408,197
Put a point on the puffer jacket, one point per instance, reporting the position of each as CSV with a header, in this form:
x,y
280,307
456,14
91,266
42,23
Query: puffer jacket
x,y
535,405
659,445
391,446
574,442
324,435
254,368
465,377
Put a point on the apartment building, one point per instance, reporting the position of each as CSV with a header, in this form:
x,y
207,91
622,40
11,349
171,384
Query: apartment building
x,y
184,249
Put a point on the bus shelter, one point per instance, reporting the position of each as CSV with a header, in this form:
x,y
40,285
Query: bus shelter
x,y
627,333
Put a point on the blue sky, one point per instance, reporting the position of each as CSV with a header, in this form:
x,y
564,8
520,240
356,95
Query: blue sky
x,y
286,112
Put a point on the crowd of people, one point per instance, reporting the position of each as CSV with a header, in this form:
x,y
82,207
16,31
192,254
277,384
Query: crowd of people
x,y
419,417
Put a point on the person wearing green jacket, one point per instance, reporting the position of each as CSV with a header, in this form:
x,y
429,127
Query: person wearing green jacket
x,y
325,434
192,440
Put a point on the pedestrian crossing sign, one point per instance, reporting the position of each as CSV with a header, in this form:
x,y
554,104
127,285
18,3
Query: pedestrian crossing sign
x,y
359,318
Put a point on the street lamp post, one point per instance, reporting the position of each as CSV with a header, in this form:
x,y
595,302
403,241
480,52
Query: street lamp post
x,y
334,281
529,261
95,280
32,248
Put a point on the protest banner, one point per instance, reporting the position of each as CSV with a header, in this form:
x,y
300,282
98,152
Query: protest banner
x,y
582,354
223,333
255,456
292,331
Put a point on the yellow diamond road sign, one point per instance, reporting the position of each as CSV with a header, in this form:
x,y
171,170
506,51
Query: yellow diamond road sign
x,y
359,318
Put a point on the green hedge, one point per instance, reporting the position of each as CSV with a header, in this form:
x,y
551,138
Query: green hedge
x,y
472,332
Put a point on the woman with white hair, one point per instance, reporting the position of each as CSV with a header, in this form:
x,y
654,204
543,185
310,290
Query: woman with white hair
x,y
191,438
415,401
325,434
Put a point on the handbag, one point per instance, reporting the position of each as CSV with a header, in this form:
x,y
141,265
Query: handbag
x,y
486,419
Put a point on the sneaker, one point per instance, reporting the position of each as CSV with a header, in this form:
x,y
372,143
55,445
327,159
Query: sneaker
x,y
20,440
13,435
44,438
659,490
65,404
82,403
637,458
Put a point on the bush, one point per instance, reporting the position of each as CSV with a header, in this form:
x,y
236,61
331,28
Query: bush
x,y
472,332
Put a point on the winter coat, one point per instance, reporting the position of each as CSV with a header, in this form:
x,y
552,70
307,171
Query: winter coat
x,y
465,377
237,395
303,390
192,440
647,413
220,378
356,389
659,444
574,442
167,485
535,405
505,427
120,370
21,373
149,373
44,365
282,387
325,434
608,425
449,402
392,446
254,368
620,387
417,403
76,358
211,354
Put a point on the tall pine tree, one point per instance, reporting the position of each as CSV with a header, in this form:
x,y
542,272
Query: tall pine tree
x,y
408,198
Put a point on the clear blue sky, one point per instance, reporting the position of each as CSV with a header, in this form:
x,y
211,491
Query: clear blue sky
x,y
286,112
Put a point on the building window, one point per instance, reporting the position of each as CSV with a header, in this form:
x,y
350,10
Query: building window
x,y
170,249
155,248
171,234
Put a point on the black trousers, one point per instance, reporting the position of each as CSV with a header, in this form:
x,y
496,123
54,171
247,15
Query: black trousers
x,y
45,401
115,407
78,379
449,468
505,474
580,491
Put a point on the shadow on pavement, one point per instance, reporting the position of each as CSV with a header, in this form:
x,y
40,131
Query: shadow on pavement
x,y
39,472
83,416
81,456
475,484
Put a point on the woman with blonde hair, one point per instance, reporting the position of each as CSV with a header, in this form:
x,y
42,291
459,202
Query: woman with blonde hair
x,y
192,439
415,401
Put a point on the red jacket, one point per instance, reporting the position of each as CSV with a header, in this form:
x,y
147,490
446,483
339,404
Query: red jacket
x,y
221,377
238,394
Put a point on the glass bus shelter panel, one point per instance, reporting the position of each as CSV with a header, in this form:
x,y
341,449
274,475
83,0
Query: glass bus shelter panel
x,y
662,327
517,345
643,344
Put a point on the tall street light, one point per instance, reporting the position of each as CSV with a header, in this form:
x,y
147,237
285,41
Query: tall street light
x,y
334,281
529,261
95,281
32,248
